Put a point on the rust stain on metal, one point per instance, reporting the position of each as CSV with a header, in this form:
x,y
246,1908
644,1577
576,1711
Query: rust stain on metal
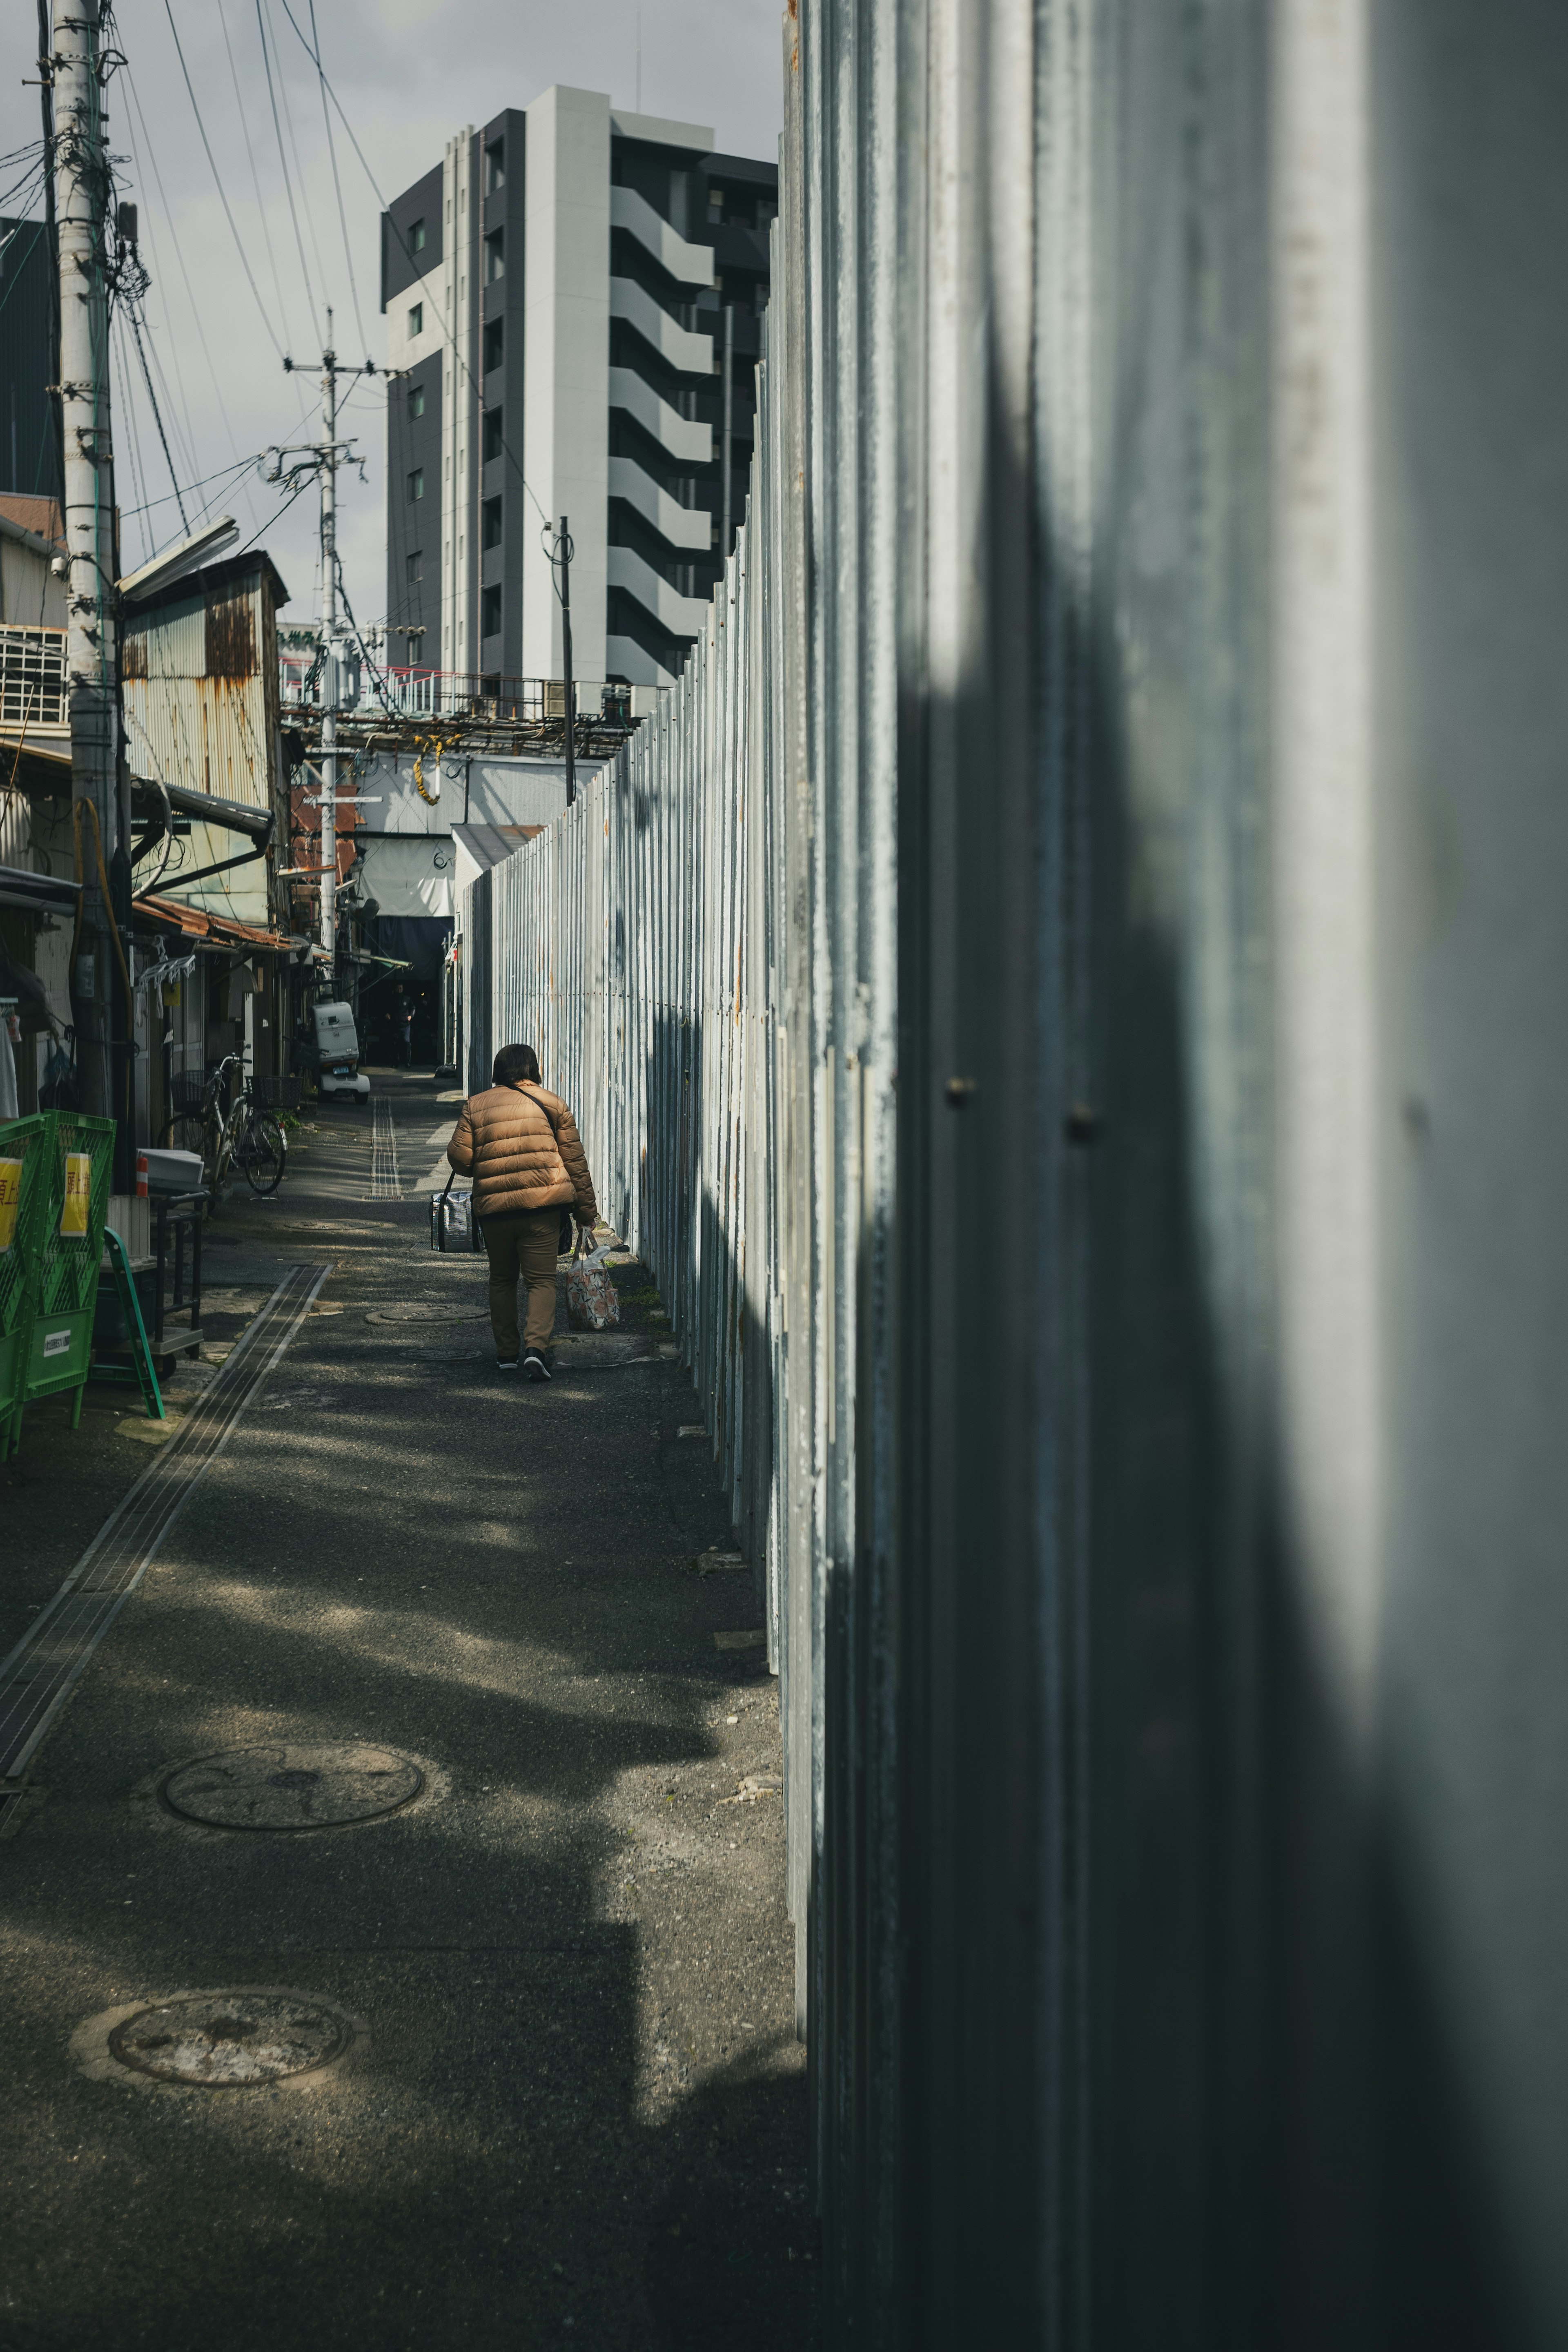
x,y
133,656
230,636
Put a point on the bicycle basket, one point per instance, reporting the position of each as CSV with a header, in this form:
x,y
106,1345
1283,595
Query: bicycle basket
x,y
190,1096
277,1094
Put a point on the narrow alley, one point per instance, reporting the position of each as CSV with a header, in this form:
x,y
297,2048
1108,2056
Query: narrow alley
x,y
434,1756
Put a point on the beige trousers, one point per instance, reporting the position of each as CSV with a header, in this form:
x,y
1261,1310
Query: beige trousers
x,y
522,1243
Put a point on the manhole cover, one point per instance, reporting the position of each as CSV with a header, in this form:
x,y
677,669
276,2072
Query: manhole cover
x,y
421,1310
282,1786
230,2040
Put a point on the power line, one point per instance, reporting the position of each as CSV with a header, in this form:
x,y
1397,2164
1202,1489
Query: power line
x,y
223,474
190,295
447,330
217,183
130,313
304,184
255,177
338,185
133,440
283,164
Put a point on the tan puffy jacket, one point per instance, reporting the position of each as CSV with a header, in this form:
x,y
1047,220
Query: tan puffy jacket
x,y
521,1146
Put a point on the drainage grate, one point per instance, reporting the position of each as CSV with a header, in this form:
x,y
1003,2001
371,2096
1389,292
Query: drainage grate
x,y
292,1786
47,1660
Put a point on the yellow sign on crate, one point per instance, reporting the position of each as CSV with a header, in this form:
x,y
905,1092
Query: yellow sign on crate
x,y
78,1194
10,1201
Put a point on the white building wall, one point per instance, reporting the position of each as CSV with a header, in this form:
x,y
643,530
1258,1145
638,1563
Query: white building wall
x,y
565,370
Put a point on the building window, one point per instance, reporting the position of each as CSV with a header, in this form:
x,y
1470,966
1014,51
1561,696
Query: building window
x,y
416,236
492,433
490,618
416,319
416,400
414,567
495,256
416,484
492,517
495,343
715,204
495,166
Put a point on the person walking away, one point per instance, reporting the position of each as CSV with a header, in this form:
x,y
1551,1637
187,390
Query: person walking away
x,y
520,1144
406,1041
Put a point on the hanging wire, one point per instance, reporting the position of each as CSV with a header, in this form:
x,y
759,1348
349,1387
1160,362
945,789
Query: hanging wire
x,y
338,185
254,176
190,295
447,332
217,182
129,313
283,166
299,176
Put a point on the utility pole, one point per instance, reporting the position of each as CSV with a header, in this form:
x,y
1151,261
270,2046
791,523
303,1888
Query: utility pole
x,y
81,194
294,465
329,481
566,652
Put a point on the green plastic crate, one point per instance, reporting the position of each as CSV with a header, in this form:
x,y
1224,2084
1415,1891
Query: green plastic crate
x,y
66,1297
24,1141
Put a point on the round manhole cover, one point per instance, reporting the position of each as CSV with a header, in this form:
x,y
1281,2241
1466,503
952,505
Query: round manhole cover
x,y
424,1310
289,1786
229,2041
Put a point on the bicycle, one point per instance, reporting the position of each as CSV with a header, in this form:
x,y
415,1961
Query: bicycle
x,y
242,1136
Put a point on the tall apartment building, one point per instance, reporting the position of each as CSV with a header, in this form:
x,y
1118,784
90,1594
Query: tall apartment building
x,y
561,292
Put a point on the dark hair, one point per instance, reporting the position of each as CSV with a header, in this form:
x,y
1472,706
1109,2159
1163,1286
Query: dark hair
x,y
514,1062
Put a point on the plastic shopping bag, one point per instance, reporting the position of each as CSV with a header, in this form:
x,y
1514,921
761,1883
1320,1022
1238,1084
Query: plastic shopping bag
x,y
453,1224
592,1301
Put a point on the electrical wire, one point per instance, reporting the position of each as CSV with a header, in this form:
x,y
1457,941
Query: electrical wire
x,y
189,295
450,337
133,438
287,178
130,313
223,474
254,176
299,179
338,185
217,183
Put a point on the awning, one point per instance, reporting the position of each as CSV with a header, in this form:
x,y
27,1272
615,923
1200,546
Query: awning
x,y
220,930
40,892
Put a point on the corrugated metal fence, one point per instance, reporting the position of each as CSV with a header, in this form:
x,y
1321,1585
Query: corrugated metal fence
x,y
1067,994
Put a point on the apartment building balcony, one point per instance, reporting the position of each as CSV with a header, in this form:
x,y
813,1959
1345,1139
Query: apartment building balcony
x,y
689,265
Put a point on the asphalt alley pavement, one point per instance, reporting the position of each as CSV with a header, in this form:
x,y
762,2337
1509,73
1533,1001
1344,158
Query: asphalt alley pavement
x,y
566,2104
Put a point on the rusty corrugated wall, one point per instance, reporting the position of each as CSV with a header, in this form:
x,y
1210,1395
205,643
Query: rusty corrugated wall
x,y
201,710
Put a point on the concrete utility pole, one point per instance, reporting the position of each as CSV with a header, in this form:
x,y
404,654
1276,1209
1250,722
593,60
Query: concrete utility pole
x,y
82,195
294,465
329,479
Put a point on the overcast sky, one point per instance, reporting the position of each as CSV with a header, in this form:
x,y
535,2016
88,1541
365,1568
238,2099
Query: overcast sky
x,y
409,73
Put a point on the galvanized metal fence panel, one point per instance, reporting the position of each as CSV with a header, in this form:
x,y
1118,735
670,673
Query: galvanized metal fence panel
x,y
1004,987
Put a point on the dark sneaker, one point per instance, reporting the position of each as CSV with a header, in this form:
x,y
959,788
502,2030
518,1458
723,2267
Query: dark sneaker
x,y
535,1365
506,1363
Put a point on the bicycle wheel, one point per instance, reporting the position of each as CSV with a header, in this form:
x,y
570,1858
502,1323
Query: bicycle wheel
x,y
260,1151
